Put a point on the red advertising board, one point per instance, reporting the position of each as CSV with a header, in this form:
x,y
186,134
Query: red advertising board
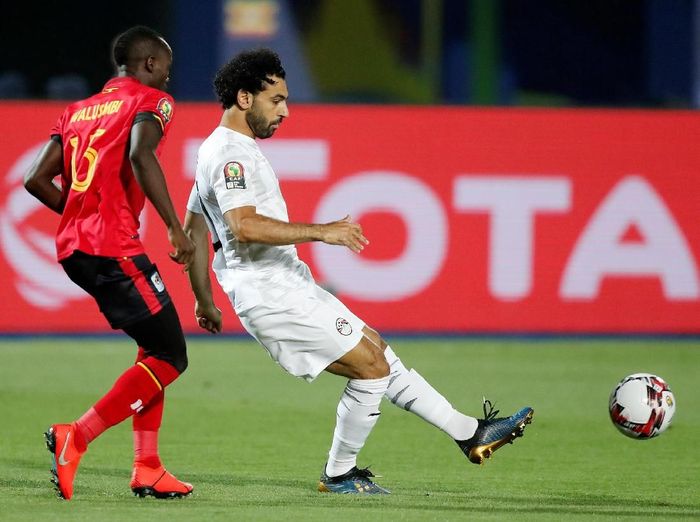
x,y
498,220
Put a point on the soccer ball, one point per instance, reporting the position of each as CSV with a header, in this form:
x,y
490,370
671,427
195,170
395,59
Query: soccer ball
x,y
642,406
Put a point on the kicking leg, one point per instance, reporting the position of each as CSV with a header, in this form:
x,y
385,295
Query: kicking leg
x,y
409,390
477,438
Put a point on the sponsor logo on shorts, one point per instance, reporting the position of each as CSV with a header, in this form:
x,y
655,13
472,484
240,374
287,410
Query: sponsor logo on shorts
x,y
343,327
157,282
233,175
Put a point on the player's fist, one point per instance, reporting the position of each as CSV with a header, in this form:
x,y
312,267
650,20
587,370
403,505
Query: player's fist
x,y
208,317
345,233
183,245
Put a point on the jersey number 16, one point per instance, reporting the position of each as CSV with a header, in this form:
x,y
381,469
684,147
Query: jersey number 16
x,y
81,185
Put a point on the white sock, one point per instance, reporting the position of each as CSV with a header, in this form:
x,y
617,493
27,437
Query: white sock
x,y
358,411
410,391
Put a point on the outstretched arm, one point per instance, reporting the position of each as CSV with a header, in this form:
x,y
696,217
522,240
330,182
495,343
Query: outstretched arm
x,y
207,314
145,136
250,227
39,179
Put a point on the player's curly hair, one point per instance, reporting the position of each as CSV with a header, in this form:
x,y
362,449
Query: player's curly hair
x,y
249,70
127,45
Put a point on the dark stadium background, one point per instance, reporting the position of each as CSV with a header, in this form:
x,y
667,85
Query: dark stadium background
x,y
496,52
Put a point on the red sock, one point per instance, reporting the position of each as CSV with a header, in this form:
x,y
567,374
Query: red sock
x,y
87,428
91,425
146,425
146,449
163,371
134,390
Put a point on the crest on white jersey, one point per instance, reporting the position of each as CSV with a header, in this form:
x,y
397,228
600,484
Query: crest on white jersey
x,y
233,174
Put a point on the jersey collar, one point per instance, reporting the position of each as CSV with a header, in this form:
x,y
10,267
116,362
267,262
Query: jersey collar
x,y
239,135
119,80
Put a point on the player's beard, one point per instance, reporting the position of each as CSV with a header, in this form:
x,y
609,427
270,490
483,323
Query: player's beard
x,y
261,126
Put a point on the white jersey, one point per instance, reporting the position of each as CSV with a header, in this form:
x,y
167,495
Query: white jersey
x,y
231,173
303,327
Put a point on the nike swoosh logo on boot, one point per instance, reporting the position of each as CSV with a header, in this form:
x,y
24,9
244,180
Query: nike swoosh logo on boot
x,y
61,458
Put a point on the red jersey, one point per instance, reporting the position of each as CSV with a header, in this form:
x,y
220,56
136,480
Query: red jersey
x,y
103,198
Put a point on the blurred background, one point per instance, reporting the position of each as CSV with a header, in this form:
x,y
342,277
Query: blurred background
x,y
520,166
629,53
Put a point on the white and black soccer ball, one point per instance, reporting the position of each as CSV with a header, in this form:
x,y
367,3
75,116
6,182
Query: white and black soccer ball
x,y
642,406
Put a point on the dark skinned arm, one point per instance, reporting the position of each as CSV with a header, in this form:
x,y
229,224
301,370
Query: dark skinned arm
x,y
145,136
39,179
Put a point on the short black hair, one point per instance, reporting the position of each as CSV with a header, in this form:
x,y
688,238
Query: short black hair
x,y
250,71
134,42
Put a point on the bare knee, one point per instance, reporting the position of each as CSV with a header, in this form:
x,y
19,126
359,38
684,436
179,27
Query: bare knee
x,y
365,361
374,336
376,367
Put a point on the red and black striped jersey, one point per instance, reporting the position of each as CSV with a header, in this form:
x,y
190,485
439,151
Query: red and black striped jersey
x,y
103,198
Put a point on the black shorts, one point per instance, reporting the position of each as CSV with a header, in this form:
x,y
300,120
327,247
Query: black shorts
x,y
127,289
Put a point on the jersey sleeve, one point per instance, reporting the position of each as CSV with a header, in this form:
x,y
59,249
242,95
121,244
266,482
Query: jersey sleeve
x,y
156,105
231,179
56,133
193,203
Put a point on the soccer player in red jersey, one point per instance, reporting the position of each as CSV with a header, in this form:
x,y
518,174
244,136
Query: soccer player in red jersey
x,y
105,150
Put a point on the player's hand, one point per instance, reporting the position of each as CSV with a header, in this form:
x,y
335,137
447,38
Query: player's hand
x,y
346,233
208,317
184,247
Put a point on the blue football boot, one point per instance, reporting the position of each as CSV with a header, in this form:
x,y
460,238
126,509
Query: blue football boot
x,y
493,432
355,481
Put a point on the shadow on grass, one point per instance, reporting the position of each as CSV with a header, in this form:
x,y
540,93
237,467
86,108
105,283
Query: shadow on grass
x,y
451,501
302,492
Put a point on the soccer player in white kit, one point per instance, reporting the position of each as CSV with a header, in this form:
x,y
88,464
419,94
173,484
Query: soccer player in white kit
x,y
236,199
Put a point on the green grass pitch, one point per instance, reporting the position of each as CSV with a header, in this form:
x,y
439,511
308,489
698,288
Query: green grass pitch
x,y
253,440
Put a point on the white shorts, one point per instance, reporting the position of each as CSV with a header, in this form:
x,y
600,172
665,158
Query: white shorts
x,y
304,330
